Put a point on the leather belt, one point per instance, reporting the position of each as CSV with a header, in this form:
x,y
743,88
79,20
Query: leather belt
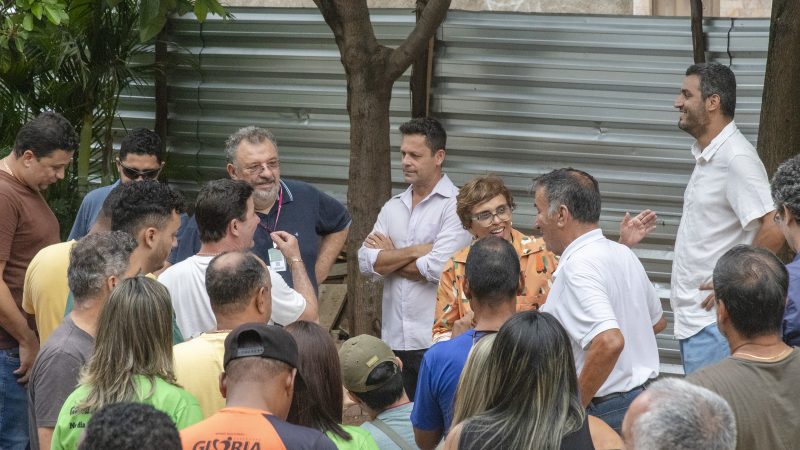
x,y
612,396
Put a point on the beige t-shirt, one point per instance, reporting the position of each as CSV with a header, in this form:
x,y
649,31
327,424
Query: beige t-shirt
x,y
198,363
764,396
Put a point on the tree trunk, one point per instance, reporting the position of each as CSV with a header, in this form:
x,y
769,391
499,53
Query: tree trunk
x,y
698,40
779,128
370,157
420,70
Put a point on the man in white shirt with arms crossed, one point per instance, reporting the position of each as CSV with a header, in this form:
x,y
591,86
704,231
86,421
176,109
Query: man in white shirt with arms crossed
x,y
415,233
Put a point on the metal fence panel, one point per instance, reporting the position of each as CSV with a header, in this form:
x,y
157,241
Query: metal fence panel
x,y
519,95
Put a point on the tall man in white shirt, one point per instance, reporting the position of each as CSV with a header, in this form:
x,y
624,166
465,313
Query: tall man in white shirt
x,y
226,218
415,233
601,294
727,202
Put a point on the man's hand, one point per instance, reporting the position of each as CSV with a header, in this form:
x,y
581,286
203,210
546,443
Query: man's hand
x,y
27,355
379,241
633,230
287,244
709,302
463,325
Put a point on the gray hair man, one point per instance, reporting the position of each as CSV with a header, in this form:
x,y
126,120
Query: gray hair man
x,y
319,221
600,294
759,379
674,414
97,263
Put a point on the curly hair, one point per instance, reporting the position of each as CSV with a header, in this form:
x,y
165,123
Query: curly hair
x,y
144,203
786,187
130,426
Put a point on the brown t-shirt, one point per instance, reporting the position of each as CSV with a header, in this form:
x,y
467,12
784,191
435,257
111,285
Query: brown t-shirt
x,y
27,225
764,396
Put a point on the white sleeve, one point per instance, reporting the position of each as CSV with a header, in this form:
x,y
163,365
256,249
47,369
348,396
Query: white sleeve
x,y
287,304
368,256
451,237
589,311
747,190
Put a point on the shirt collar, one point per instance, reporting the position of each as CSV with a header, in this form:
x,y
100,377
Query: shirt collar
x,y
287,193
582,241
444,188
706,154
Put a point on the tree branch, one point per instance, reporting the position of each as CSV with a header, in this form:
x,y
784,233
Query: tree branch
x,y
349,20
432,16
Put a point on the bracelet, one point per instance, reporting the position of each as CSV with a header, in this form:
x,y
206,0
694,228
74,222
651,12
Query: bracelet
x,y
292,261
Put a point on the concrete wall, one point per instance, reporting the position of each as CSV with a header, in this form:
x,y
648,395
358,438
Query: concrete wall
x,y
712,8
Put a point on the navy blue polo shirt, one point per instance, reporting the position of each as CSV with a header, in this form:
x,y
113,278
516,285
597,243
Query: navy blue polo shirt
x,y
306,212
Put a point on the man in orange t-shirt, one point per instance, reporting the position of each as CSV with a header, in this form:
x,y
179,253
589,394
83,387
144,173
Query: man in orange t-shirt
x,y
258,383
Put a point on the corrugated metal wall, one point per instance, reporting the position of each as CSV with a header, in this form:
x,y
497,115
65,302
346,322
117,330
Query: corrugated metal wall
x,y
518,94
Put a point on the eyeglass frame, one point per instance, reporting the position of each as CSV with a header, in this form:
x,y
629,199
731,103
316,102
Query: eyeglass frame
x,y
143,174
259,169
488,221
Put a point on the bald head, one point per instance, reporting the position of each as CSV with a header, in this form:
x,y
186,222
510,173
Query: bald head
x,y
233,279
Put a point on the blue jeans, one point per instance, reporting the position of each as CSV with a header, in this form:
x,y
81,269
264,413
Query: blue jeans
x,y
613,410
706,347
13,404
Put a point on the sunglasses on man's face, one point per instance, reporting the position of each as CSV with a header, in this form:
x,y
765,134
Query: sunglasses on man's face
x,y
135,174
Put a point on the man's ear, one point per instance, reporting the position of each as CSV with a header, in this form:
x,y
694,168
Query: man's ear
x,y
722,312
562,215
467,290
399,362
223,384
713,102
290,381
521,285
149,237
27,158
262,297
111,282
438,156
231,171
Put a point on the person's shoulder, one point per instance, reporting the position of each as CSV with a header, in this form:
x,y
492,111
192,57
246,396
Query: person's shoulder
x,y
299,437
710,376
98,195
445,349
300,188
176,271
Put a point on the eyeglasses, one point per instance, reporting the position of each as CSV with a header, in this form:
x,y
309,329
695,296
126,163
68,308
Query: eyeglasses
x,y
256,169
486,218
135,174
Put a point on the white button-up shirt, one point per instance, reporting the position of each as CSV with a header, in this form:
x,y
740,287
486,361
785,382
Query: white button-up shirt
x,y
726,196
601,285
408,306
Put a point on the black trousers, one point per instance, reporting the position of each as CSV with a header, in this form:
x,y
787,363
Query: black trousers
x,y
412,359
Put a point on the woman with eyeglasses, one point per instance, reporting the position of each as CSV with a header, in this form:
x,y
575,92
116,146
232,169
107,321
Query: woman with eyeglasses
x,y
485,205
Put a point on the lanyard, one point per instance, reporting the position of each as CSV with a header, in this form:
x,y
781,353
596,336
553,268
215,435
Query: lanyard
x,y
277,216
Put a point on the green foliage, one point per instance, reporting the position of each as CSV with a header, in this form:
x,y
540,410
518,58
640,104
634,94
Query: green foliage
x,y
76,57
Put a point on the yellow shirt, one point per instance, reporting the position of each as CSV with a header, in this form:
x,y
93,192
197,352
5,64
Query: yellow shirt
x,y
198,363
45,292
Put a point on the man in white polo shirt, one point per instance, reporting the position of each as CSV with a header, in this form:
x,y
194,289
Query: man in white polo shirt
x,y
601,294
727,202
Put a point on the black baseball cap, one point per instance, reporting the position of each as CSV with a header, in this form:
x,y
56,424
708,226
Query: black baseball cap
x,y
259,339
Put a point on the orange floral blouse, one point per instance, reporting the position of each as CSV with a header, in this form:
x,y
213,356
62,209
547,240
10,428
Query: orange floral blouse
x,y
536,263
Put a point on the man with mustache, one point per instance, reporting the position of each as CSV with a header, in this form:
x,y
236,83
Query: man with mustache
x,y
318,221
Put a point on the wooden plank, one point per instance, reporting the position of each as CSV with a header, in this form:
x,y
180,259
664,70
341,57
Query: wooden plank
x,y
331,301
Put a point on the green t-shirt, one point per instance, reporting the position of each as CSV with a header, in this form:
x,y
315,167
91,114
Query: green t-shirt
x,y
175,402
360,439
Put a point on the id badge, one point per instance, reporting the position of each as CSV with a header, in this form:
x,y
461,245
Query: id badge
x,y
276,260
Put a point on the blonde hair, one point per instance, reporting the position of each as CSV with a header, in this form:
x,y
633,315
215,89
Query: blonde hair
x,y
530,387
134,337
471,395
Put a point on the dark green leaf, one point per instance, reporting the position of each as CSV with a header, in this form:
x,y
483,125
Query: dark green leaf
x,y
200,10
27,22
37,10
52,15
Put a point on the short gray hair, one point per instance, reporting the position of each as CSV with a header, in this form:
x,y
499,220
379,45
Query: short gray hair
x,y
786,187
253,135
684,416
95,258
